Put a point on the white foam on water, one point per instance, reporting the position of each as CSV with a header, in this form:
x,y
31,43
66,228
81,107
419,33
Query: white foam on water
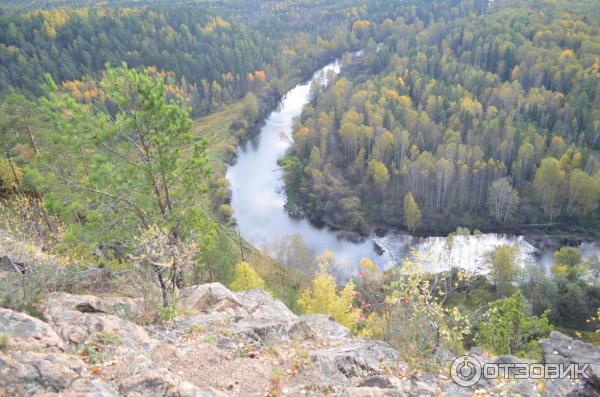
x,y
439,254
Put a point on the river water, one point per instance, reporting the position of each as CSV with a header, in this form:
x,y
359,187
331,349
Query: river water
x,y
258,200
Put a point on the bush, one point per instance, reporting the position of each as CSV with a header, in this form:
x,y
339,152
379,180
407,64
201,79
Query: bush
x,y
416,320
322,297
31,274
246,278
507,328
225,212
92,354
10,176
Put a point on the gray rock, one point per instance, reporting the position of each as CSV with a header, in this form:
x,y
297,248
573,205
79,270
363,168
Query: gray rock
x,y
261,306
559,348
7,263
165,384
415,386
77,328
381,382
325,327
357,358
211,298
372,392
26,373
118,306
268,320
254,314
28,332
269,331
86,387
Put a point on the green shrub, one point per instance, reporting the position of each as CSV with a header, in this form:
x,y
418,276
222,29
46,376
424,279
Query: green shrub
x,y
507,328
92,354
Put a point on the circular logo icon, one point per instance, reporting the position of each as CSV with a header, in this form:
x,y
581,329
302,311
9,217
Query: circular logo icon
x,y
465,371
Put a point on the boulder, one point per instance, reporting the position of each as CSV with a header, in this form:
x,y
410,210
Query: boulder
x,y
25,373
268,319
355,358
559,348
210,298
7,263
77,328
254,314
261,306
118,306
269,331
28,332
325,327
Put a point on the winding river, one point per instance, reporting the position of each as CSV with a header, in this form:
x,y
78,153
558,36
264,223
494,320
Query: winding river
x,y
258,199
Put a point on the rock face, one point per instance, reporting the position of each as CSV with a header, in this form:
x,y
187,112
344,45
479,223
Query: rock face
x,y
79,318
123,307
355,359
230,344
560,349
27,331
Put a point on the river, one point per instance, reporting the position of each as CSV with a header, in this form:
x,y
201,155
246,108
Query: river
x,y
258,200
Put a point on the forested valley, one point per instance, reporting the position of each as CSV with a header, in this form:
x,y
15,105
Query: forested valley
x,y
488,120
435,124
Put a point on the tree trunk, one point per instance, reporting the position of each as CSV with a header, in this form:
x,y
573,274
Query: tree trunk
x,y
31,138
164,289
12,168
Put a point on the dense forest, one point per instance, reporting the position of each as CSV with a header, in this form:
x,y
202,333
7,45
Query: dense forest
x,y
484,120
213,59
217,51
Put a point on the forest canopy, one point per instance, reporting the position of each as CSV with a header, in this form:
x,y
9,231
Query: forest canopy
x,y
486,120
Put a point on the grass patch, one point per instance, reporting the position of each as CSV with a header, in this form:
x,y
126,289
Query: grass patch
x,y
215,128
107,338
5,341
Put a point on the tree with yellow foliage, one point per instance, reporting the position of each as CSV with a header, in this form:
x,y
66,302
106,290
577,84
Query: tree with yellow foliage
x,y
412,213
246,278
322,297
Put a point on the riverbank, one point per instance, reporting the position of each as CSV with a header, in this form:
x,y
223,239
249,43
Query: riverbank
x,y
225,137
543,233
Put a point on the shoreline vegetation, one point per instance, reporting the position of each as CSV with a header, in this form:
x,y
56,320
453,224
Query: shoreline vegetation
x,y
562,234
